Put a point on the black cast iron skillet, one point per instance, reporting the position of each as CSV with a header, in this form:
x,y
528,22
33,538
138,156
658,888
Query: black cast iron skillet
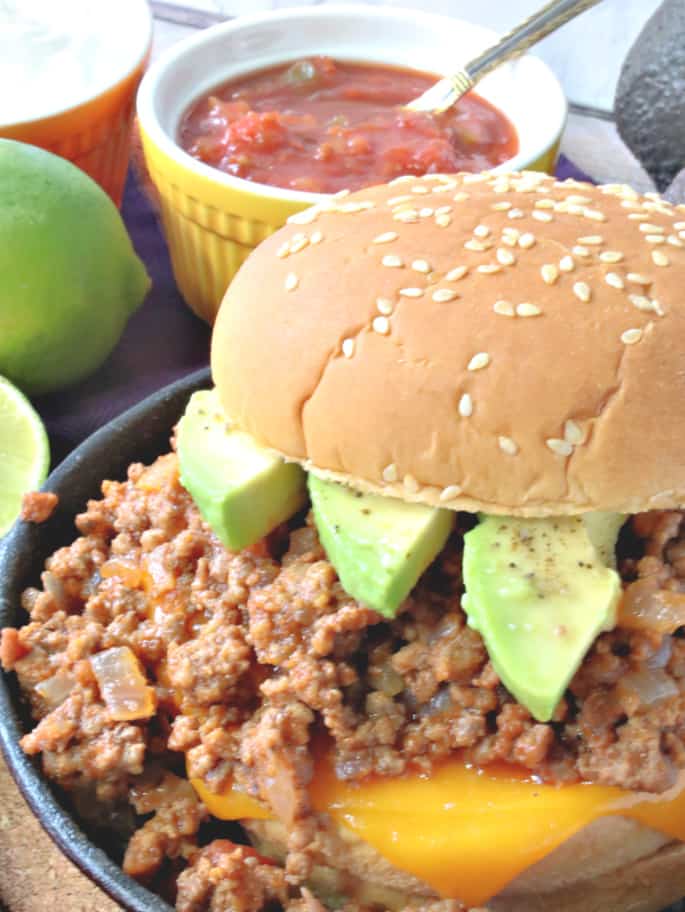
x,y
139,435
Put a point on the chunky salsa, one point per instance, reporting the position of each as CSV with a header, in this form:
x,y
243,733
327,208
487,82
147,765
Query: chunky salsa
x,y
322,125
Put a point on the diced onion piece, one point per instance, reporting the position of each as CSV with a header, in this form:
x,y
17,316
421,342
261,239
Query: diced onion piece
x,y
130,576
56,689
123,685
644,607
648,685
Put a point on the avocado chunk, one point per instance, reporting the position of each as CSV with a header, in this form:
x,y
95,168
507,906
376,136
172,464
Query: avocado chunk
x,y
242,490
539,591
378,545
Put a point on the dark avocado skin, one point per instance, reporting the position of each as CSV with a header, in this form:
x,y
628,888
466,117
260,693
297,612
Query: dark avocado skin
x,y
650,97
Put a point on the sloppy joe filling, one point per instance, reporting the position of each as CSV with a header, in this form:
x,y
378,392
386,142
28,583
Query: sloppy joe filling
x,y
151,651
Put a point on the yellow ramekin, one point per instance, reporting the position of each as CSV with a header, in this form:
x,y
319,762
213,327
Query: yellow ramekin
x,y
95,133
213,220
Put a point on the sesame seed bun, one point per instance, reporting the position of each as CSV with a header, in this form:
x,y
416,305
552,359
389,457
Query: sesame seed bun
x,y
506,343
612,865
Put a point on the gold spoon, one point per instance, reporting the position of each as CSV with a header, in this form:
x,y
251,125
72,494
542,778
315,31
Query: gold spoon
x,y
449,90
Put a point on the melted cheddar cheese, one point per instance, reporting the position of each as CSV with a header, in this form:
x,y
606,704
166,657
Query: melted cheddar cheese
x,y
467,832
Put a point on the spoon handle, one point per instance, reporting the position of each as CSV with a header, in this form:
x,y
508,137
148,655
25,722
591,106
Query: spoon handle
x,y
533,29
449,90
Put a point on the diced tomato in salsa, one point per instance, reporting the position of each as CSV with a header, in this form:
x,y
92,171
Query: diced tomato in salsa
x,y
321,125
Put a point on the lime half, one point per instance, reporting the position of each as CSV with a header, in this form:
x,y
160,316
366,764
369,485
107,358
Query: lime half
x,y
24,452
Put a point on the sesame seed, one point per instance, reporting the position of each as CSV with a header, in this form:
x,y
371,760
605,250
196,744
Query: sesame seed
x,y
392,261
410,484
527,240
291,282
527,310
515,213
566,264
442,221
460,196
591,240
443,210
580,251
549,273
655,239
503,308
283,250
457,273
631,336
384,306
582,291
508,446
426,212
638,278
406,215
659,258
614,280
385,238
473,178
478,362
611,256
420,188
674,240
348,347
573,432
303,218
594,215
544,203
351,208
505,257
559,446
489,268
642,302
381,325
481,231
576,200
501,206
466,406
509,229
390,473
411,292
441,295
299,242
316,237
541,215
679,226
396,200
681,234
637,216
449,493
648,228
477,246
402,179
509,240
421,266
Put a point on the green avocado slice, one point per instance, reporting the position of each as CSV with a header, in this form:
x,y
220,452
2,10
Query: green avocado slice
x,y
378,545
539,591
242,490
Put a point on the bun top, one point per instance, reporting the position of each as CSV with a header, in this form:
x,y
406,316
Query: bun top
x,y
506,343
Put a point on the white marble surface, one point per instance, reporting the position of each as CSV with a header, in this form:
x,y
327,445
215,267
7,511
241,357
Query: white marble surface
x,y
586,54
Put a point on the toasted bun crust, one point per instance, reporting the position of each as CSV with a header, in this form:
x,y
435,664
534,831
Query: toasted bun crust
x,y
337,346
612,865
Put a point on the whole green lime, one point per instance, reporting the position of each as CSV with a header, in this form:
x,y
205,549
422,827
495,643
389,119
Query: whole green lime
x,y
69,277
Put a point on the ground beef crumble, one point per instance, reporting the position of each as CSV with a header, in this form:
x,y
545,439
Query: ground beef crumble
x,y
255,656
38,506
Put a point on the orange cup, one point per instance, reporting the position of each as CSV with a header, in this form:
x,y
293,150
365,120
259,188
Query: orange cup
x,y
95,132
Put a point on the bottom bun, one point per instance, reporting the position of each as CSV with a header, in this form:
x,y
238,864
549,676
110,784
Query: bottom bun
x,y
612,865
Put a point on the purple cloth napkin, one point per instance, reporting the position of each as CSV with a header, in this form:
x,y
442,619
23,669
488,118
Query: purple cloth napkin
x,y
162,342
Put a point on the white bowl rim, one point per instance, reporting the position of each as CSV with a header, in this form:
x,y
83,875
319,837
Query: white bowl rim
x,y
123,68
149,86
